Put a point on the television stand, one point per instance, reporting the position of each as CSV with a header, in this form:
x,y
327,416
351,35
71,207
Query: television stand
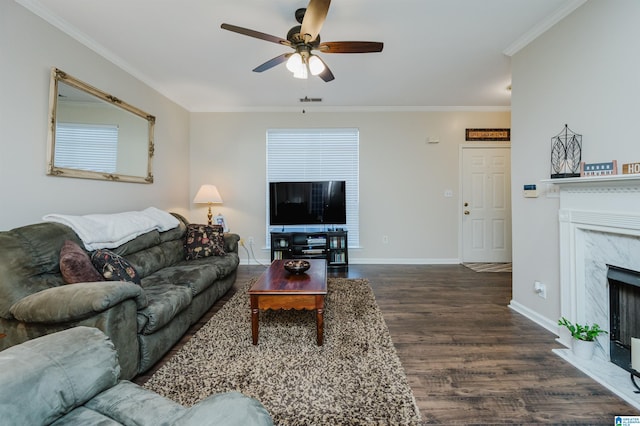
x,y
329,245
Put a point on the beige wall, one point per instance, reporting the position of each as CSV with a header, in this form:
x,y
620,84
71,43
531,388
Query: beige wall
x,y
583,72
402,182
402,178
29,47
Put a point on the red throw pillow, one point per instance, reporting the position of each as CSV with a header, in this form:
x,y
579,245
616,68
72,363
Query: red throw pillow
x,y
75,265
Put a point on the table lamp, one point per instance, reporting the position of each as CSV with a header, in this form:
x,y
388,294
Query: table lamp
x,y
208,194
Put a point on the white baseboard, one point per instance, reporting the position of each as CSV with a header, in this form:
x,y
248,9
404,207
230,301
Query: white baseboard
x,y
368,261
552,326
405,261
254,262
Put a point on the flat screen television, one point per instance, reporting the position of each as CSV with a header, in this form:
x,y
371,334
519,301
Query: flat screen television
x,y
307,203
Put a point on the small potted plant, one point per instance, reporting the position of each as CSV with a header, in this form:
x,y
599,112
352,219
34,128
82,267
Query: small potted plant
x,y
583,337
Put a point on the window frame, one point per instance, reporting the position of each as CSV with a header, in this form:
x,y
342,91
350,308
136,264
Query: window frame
x,y
316,154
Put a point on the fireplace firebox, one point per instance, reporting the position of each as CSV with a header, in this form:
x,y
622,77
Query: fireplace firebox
x,y
624,313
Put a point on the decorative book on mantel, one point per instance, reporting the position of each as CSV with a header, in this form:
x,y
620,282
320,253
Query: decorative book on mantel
x,y
566,154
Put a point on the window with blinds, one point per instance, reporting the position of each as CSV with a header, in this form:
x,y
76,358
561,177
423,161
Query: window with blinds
x,y
298,155
87,146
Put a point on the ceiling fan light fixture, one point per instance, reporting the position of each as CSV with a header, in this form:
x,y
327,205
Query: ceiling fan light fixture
x,y
316,66
304,39
294,63
302,73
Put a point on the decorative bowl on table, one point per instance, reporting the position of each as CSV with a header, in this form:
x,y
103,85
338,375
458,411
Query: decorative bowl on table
x,y
297,266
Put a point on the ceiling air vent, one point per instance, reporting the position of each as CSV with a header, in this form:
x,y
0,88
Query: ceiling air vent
x,y
308,99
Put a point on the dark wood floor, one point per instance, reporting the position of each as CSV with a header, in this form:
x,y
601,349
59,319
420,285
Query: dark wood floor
x,y
469,358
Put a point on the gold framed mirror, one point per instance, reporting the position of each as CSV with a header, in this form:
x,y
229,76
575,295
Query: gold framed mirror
x,y
94,135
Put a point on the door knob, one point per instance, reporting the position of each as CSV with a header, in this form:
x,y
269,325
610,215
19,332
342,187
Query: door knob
x,y
467,212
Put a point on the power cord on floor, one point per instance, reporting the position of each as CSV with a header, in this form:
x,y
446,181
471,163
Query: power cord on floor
x,y
241,242
254,256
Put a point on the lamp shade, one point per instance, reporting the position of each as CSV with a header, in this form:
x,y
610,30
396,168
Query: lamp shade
x,y
208,194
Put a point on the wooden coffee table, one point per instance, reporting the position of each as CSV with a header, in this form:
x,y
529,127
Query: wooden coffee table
x,y
278,289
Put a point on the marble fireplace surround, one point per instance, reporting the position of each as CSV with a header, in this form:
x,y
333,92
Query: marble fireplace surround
x,y
599,225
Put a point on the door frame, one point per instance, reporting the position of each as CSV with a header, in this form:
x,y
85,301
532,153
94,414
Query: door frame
x,y
461,148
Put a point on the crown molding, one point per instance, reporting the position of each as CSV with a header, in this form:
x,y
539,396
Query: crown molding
x,y
543,27
38,9
328,109
46,14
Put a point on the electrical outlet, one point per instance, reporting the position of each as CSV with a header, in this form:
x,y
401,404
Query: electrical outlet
x,y
540,289
250,239
553,190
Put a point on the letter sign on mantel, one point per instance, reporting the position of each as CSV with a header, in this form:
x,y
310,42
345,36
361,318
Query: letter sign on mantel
x,y
631,168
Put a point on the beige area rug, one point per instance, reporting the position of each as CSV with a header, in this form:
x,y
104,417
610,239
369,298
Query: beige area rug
x,y
489,267
355,378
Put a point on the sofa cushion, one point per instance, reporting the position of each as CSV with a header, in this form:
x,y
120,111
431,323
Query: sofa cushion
x,y
44,378
85,416
30,261
230,408
197,276
75,302
141,242
114,267
148,261
176,233
165,301
224,265
76,266
203,241
173,251
130,404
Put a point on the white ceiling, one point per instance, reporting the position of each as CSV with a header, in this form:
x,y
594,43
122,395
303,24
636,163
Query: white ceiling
x,y
437,53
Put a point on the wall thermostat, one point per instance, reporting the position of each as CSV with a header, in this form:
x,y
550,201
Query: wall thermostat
x,y
530,191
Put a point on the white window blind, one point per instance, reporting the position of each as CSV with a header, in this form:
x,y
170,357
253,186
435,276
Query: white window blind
x,y
315,155
87,146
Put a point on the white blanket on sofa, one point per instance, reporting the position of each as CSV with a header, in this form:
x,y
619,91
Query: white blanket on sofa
x,y
112,230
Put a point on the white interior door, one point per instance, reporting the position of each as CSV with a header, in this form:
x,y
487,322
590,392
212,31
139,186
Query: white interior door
x,y
486,204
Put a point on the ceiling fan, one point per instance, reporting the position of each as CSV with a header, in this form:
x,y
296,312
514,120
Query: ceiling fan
x,y
304,39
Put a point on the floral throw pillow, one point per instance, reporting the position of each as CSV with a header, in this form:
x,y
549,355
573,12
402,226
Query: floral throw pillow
x,y
203,240
114,267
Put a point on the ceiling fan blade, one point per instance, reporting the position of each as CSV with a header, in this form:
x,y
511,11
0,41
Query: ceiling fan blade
x,y
350,47
273,62
255,34
313,19
326,75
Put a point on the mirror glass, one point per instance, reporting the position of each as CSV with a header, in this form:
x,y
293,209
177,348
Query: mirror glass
x,y
94,135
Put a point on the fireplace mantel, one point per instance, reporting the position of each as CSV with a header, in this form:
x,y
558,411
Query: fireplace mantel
x,y
603,204
599,224
613,193
596,180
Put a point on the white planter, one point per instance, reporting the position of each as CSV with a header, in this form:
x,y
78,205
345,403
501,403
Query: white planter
x,y
583,349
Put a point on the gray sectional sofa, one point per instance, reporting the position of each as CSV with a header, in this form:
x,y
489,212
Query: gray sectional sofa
x,y
143,321
72,378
